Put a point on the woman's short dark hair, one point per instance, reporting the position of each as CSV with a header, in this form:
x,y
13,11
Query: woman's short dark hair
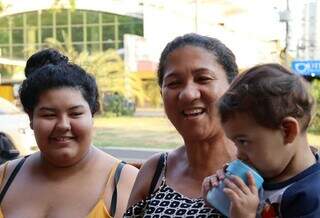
x,y
62,75
44,57
223,54
268,93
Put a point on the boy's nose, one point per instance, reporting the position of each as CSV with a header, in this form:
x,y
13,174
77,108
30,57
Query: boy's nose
x,y
241,156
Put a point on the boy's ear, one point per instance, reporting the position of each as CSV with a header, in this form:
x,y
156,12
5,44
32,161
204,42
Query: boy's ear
x,y
290,128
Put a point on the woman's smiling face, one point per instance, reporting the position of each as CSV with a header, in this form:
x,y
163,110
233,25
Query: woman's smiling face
x,y
62,123
193,82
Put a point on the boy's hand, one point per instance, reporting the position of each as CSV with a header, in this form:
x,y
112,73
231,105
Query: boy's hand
x,y
244,199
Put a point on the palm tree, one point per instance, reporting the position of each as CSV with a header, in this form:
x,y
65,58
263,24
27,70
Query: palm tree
x,y
108,68
1,6
315,90
58,4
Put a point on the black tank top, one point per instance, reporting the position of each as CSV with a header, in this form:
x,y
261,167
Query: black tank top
x,y
166,202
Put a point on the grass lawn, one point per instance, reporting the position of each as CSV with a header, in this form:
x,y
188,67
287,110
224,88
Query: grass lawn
x,y
144,132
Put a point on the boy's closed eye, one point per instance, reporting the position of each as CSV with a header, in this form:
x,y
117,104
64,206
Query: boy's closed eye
x,y
241,142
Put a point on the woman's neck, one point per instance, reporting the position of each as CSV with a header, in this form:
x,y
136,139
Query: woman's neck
x,y
205,157
53,171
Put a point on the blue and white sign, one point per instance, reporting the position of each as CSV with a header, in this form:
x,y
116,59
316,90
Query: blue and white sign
x,y
306,68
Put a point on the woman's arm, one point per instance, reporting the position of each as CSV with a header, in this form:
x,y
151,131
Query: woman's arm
x,y
4,173
127,178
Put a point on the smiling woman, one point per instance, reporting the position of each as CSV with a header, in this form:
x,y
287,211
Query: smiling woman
x,y
68,177
194,71
62,123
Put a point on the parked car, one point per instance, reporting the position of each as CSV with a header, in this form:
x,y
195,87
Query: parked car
x,y
16,136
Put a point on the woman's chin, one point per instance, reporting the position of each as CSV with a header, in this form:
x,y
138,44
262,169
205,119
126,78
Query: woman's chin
x,y
63,158
196,135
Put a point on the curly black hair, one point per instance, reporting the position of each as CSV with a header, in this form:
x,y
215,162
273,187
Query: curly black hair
x,y
61,75
44,57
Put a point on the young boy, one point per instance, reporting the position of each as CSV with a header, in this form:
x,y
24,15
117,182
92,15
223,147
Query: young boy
x,y
266,112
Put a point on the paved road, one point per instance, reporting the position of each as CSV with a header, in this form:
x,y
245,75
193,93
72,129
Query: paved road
x,y
136,155
131,154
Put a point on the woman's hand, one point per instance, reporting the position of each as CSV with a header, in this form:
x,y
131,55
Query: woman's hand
x,y
211,182
244,199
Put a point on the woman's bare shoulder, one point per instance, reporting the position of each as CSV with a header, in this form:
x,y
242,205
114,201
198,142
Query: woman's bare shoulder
x,y
127,177
6,170
148,169
149,166
143,181
128,172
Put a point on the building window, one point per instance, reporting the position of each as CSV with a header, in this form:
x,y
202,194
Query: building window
x,y
22,34
46,33
92,33
47,18
62,18
17,36
17,21
92,17
4,22
4,36
62,34
77,34
76,17
32,20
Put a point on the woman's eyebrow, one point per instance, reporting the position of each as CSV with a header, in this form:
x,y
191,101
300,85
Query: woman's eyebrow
x,y
170,74
46,109
76,107
203,70
52,109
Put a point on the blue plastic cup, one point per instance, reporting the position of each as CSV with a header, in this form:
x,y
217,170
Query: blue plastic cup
x,y
217,198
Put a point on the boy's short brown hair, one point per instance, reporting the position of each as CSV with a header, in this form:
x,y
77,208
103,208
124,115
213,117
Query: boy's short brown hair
x,y
268,93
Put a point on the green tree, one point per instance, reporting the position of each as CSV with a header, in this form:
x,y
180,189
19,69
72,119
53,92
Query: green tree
x,y
59,4
153,92
1,6
136,89
315,123
108,68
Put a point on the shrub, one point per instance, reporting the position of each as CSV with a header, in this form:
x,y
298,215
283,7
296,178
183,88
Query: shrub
x,y
118,105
